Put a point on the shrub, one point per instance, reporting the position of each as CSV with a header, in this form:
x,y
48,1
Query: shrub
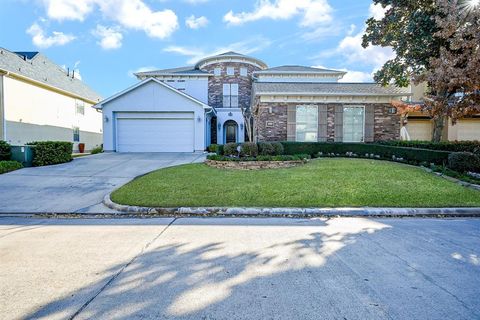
x,y
266,149
51,152
411,155
7,166
453,146
213,148
96,150
220,149
278,148
464,162
230,149
249,149
4,151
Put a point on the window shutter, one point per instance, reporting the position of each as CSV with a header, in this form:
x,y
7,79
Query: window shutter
x,y
369,123
338,123
322,123
291,123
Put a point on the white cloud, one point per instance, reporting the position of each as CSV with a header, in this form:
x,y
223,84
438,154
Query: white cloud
x,y
353,52
195,1
68,9
141,69
377,11
314,12
195,23
356,76
243,47
109,37
131,14
41,40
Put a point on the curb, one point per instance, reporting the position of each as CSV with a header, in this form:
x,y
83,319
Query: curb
x,y
294,212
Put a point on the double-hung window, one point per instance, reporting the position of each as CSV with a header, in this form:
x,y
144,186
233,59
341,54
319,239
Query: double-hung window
x,y
230,71
353,123
307,123
230,95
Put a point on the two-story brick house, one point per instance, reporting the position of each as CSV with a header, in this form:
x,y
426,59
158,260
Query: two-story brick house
x,y
186,109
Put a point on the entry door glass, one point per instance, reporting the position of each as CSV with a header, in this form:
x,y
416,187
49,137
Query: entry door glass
x,y
231,133
353,124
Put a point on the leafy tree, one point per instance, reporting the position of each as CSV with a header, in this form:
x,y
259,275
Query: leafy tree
x,y
436,41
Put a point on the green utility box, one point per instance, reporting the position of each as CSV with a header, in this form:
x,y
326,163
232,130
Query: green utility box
x,y
23,154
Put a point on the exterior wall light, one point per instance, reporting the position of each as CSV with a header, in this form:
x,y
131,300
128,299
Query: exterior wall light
x,y
241,126
219,126
199,119
106,118
392,110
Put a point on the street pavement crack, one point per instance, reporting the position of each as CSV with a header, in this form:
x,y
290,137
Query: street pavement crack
x,y
116,275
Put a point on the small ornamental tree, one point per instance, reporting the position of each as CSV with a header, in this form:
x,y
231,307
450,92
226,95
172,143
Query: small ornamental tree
x,y
436,41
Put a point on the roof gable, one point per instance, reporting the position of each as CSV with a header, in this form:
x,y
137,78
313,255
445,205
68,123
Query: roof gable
x,y
148,80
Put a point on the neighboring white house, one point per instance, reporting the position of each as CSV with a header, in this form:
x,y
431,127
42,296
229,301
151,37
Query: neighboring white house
x,y
41,101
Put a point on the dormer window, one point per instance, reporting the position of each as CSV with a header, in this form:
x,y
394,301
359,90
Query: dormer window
x,y
230,71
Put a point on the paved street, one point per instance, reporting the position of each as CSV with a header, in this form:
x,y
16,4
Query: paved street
x,y
194,268
79,186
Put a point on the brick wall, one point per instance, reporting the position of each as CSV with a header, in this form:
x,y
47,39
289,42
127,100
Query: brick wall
x,y
215,83
271,122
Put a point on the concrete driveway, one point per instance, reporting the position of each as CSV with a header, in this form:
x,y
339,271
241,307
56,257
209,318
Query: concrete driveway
x,y
342,268
79,186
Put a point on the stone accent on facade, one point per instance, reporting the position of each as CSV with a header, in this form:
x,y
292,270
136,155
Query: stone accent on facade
x,y
387,126
271,121
215,83
253,165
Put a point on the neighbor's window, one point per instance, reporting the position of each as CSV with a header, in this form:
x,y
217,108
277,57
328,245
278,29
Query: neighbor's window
x,y
230,95
80,107
243,72
217,72
307,123
230,71
76,134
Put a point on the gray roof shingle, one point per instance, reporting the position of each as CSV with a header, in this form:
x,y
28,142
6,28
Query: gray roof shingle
x,y
329,88
36,66
300,69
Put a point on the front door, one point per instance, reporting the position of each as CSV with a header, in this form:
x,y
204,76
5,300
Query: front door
x,y
230,132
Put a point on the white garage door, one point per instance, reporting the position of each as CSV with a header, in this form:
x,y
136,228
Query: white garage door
x,y
420,129
155,135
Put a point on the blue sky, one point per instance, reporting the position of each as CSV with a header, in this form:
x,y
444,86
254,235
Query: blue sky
x,y
107,40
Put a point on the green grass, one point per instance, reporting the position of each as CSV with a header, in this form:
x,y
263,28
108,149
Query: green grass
x,y
320,183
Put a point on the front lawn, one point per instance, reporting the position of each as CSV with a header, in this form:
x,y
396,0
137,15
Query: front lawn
x,y
320,183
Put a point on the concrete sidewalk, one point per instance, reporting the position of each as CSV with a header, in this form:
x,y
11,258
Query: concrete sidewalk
x,y
193,268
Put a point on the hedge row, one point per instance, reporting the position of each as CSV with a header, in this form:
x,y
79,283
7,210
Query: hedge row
x,y
7,166
414,155
453,146
51,152
4,151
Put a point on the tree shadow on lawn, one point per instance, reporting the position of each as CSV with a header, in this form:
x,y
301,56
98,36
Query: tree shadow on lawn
x,y
304,277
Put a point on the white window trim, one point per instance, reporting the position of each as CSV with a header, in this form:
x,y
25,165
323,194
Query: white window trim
x,y
343,122
243,72
232,69
229,95
296,125
217,72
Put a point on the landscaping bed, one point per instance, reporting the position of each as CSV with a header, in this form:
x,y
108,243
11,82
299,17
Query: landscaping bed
x,y
322,182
